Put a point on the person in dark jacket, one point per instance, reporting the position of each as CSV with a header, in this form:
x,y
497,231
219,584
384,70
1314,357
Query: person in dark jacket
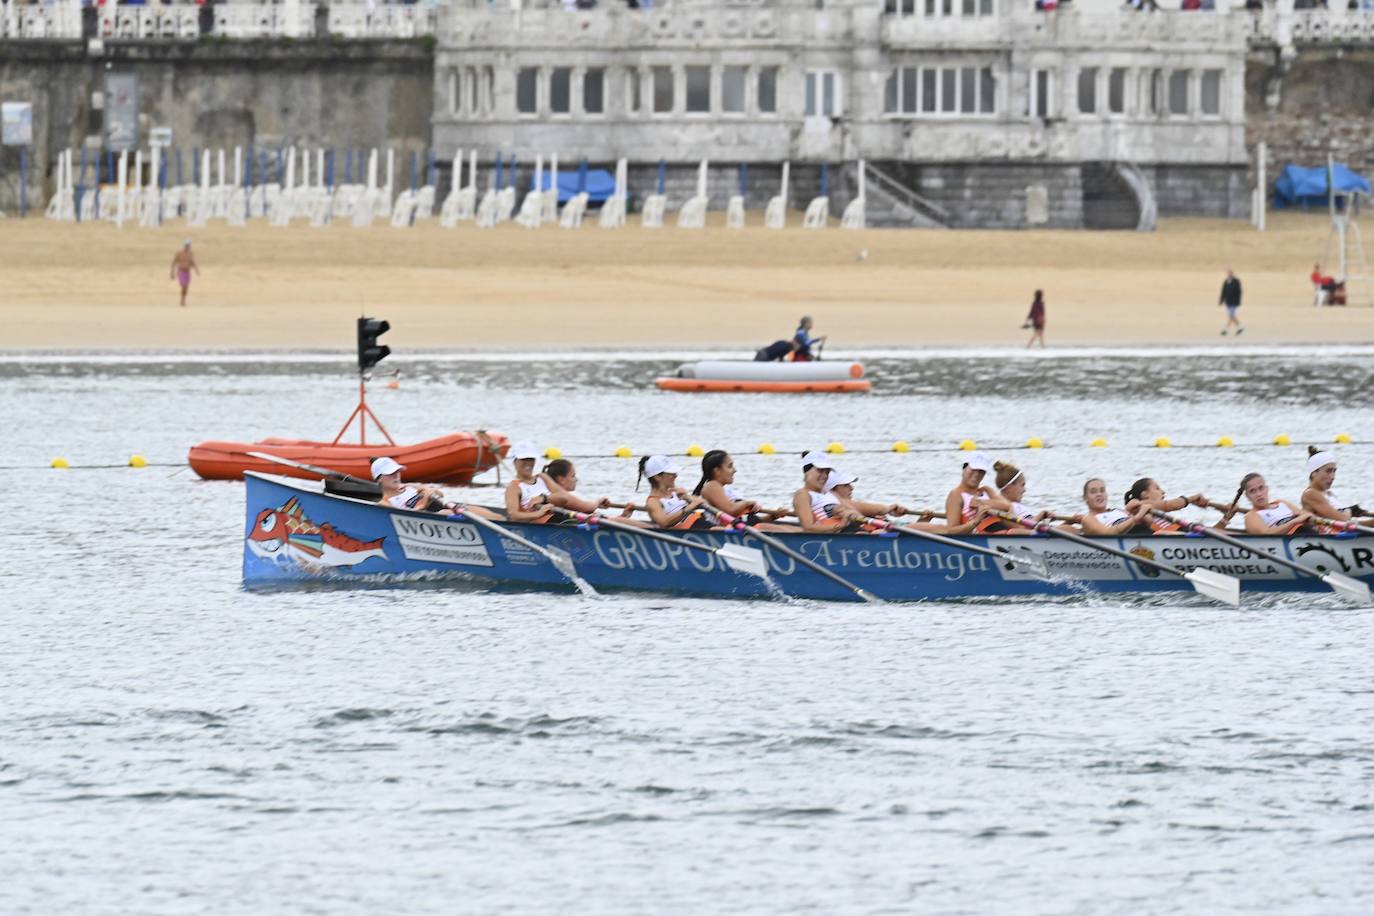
x,y
1035,319
1230,297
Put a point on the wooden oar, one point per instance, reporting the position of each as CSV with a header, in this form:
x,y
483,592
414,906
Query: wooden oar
x,y
1352,590
1214,585
1034,565
558,558
726,518
743,559
1350,525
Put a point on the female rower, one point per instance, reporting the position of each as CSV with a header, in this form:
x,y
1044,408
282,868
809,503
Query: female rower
x,y
527,496
1101,519
386,471
1011,489
816,509
1147,491
560,477
841,483
717,490
1266,516
963,503
667,505
1318,498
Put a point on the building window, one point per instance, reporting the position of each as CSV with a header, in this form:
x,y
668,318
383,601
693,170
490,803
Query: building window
x,y
594,90
1155,92
474,99
663,89
698,89
768,90
822,93
633,101
488,89
455,97
938,91
527,90
1178,92
1041,87
1116,91
1211,92
1087,90
732,80
560,90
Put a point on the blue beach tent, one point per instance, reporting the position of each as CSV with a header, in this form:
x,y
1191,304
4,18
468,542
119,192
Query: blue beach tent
x,y
1306,187
600,185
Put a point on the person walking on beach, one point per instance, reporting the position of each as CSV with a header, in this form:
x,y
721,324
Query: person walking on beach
x,y
183,262
1036,319
1230,297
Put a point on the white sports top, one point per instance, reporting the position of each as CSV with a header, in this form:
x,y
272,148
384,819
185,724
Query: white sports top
x,y
731,493
1276,515
1112,516
1020,511
969,510
672,503
823,505
529,492
409,498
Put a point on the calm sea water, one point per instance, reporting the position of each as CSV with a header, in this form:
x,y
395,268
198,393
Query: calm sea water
x,y
170,743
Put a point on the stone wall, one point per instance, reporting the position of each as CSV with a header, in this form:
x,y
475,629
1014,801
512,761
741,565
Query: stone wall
x,y
222,94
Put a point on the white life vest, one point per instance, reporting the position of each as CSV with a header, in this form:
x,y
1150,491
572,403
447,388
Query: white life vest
x,y
672,503
1112,516
1275,516
531,492
409,498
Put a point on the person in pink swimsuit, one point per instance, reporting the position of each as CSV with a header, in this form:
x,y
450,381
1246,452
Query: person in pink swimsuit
x,y
183,262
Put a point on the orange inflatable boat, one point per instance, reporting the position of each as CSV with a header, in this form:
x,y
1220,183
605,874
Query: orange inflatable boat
x,y
452,459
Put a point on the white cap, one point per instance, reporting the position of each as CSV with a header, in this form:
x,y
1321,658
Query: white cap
x,y
818,459
385,465
979,462
523,450
660,464
838,478
1320,460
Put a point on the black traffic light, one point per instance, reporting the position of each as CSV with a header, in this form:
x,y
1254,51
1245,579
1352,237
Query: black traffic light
x,y
370,353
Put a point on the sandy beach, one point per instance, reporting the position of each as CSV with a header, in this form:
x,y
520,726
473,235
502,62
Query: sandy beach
x,y
70,286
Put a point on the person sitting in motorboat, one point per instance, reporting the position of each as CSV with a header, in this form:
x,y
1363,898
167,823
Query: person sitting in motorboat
x,y
527,496
776,352
817,509
668,505
1102,520
964,503
386,471
1267,516
717,490
1317,498
1148,492
560,476
805,341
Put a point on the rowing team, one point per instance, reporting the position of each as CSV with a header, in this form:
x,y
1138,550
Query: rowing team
x,y
826,501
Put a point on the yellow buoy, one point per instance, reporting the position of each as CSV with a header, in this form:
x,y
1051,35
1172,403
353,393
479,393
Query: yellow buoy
x,y
901,446
60,463
1163,442
968,445
1282,439
835,448
553,452
766,449
1343,439
1225,442
624,452
138,461
1098,443
695,451
1035,442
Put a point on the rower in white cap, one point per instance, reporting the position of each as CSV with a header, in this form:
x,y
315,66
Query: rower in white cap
x,y
527,496
818,509
963,503
387,472
668,505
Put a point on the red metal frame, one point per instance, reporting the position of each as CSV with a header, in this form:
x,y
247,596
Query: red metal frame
x,y
362,412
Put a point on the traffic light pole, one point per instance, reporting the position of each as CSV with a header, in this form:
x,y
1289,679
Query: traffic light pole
x,y
361,413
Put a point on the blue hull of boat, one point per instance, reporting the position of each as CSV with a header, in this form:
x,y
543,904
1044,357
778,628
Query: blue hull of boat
x,y
296,533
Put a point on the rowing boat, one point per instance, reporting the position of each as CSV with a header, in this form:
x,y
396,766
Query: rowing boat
x,y
753,375
297,532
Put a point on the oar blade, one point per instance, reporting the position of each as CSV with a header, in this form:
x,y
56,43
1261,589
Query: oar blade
x,y
748,560
1352,590
869,596
1215,585
564,564
1033,564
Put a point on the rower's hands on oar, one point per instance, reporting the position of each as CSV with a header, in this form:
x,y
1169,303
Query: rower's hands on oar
x,y
897,509
1199,500
604,503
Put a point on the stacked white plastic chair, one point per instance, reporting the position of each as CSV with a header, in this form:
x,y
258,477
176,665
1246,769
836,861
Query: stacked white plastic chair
x,y
652,215
693,212
403,211
550,201
613,210
531,213
775,214
817,213
573,211
855,214
424,203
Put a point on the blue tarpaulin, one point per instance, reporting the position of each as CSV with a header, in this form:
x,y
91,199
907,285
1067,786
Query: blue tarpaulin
x,y
600,185
1306,187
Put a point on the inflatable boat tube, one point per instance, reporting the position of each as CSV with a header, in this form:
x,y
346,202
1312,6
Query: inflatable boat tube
x,y
753,371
